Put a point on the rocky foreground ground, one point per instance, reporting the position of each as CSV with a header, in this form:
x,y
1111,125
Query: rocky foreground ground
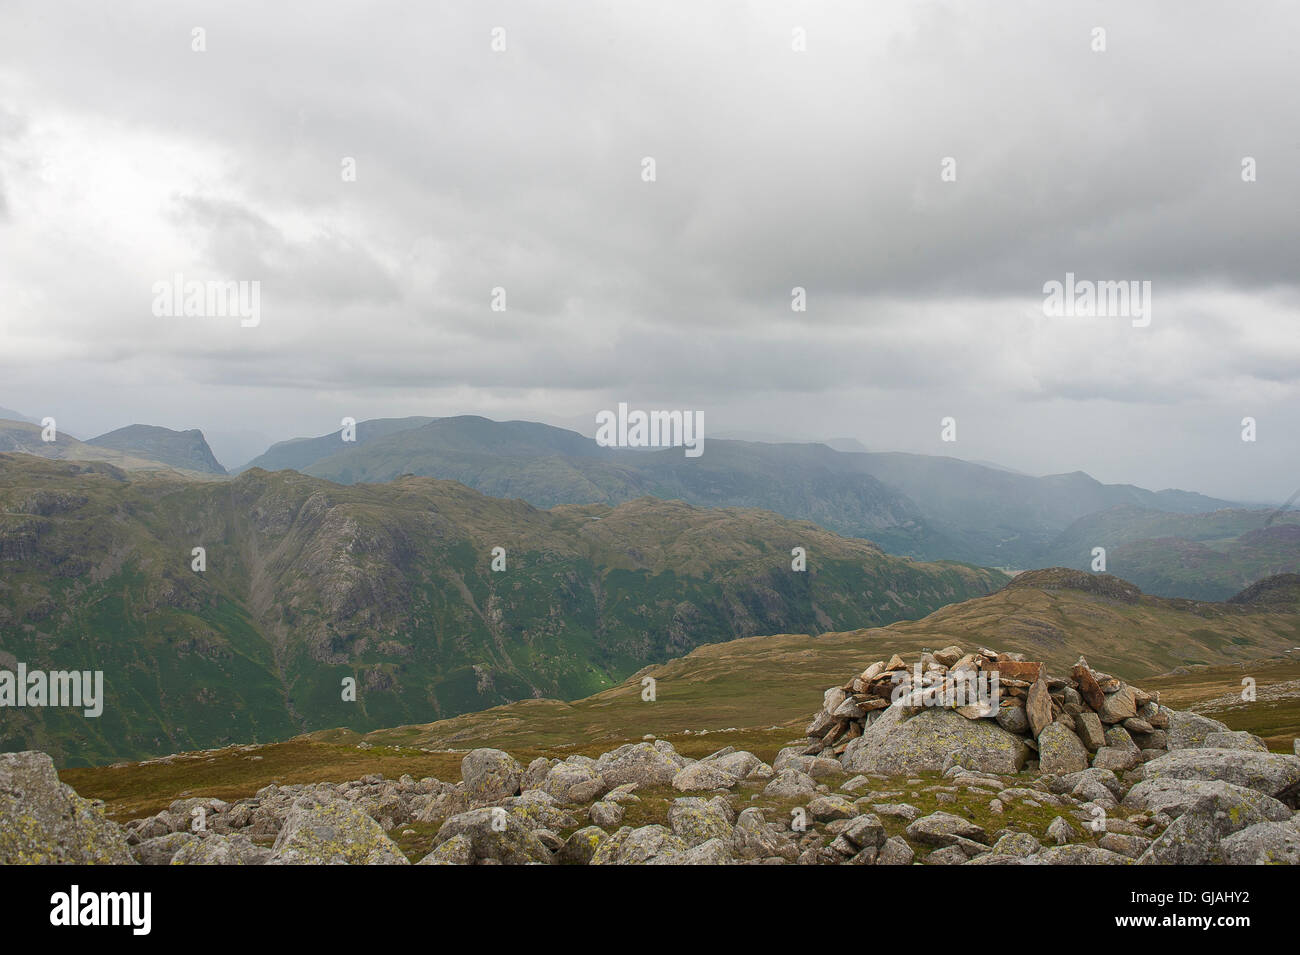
x,y
1077,770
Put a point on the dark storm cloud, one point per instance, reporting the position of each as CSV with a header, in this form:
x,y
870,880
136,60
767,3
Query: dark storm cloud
x,y
126,157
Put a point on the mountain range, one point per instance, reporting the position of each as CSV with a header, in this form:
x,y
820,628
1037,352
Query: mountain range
x,y
1171,543
916,505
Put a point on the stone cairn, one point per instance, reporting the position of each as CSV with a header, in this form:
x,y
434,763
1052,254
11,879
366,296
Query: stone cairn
x,y
1063,719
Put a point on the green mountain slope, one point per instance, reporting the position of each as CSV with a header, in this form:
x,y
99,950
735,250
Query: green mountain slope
x,y
767,681
758,693
308,583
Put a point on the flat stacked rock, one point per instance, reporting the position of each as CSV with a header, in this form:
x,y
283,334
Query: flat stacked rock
x,y
896,717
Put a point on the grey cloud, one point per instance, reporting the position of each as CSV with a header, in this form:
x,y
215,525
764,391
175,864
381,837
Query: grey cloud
x,y
775,170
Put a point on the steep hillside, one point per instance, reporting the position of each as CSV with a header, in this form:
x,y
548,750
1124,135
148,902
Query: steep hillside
x,y
750,685
185,450
1199,556
308,583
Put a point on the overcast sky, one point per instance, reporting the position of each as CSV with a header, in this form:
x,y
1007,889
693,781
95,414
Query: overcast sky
x,y
127,157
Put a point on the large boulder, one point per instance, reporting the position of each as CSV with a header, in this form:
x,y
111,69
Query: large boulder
x,y
637,846
756,838
1188,730
1196,837
573,783
1116,758
1118,706
864,832
321,829
945,829
1091,777
606,815
1173,797
702,776
536,809
217,849
493,834
816,766
1091,732
698,820
896,745
44,822
710,852
1265,843
641,763
1038,705
160,849
581,846
490,775
741,765
1235,739
791,784
1061,751
1273,774
1077,855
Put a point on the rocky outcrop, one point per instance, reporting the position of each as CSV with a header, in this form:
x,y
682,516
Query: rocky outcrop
x,y
489,834
322,829
1273,774
490,775
897,744
919,781
44,822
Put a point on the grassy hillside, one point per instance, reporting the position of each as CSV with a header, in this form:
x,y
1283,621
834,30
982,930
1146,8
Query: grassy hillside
x,y
1216,691
758,693
308,583
1053,615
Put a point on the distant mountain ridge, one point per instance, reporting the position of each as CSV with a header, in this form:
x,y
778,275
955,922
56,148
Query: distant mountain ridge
x,y
916,505
298,454
1199,556
8,414
20,437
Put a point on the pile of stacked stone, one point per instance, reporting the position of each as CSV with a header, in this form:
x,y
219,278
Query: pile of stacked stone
x,y
1088,718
